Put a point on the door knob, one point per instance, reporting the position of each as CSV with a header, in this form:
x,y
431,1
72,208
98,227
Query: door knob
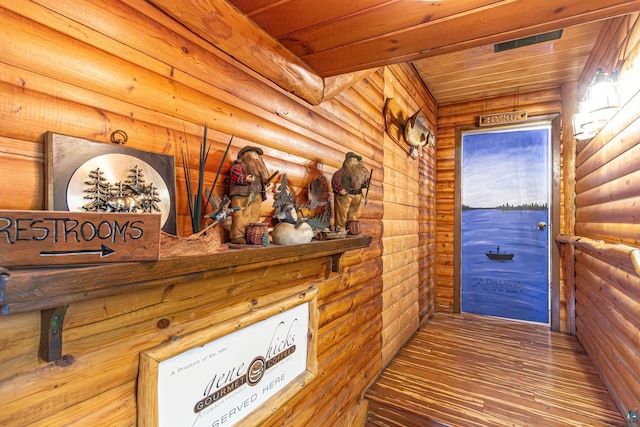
x,y
542,225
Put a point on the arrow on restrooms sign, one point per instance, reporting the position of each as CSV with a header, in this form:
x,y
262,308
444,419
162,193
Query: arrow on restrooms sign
x,y
103,252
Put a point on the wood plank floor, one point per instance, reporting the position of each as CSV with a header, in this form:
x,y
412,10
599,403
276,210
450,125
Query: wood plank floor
x,y
470,370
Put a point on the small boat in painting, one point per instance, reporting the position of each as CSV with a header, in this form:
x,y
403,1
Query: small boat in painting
x,y
497,256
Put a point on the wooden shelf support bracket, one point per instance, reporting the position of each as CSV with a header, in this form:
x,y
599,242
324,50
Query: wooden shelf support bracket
x,y
51,326
4,273
335,262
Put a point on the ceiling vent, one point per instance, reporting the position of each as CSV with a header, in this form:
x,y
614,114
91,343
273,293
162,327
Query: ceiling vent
x,y
527,41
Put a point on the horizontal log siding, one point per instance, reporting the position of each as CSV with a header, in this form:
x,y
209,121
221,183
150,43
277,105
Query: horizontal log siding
x,y
607,172
405,284
450,117
87,68
427,221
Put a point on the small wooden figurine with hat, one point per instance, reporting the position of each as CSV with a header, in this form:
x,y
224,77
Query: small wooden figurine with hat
x,y
249,177
347,184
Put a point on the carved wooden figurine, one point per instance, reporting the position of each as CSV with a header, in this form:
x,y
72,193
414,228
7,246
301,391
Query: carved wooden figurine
x,y
249,177
347,184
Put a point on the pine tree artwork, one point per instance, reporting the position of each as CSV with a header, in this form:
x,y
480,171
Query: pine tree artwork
x,y
150,202
283,197
135,178
132,195
98,192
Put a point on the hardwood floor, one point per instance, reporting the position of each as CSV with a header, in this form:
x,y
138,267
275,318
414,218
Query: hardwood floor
x,y
470,370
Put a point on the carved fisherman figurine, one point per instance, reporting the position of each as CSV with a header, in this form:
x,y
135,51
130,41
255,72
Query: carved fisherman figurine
x,y
347,183
249,177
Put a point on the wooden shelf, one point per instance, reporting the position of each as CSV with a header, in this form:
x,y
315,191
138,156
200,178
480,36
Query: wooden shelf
x,y
605,250
51,290
29,289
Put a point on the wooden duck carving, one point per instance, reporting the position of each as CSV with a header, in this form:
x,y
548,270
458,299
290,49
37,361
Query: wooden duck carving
x,y
291,230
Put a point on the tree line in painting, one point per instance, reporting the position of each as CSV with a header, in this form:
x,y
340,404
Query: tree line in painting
x,y
510,207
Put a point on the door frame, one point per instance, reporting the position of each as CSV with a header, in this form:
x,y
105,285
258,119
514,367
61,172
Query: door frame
x,y
554,211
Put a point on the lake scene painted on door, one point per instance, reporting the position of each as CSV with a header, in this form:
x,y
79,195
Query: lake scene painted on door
x,y
504,218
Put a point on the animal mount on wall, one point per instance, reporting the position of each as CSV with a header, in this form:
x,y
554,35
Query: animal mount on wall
x,y
410,133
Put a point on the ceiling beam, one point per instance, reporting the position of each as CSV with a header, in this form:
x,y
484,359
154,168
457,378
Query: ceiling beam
x,y
233,33
230,31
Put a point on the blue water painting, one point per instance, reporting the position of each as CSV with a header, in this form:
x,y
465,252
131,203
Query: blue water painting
x,y
515,288
505,194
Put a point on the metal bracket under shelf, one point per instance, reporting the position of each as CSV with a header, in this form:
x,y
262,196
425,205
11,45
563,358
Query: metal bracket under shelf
x,y
51,326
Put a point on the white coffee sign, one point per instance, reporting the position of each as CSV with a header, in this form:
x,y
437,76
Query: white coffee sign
x,y
222,382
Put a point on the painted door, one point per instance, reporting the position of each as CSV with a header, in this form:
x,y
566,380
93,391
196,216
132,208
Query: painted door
x,y
505,198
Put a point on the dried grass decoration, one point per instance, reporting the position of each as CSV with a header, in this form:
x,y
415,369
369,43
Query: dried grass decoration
x,y
204,240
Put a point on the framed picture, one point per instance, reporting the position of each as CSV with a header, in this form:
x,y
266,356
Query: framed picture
x,y
90,176
238,372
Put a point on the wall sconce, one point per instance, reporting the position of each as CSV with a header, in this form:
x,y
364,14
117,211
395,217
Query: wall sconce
x,y
599,105
582,128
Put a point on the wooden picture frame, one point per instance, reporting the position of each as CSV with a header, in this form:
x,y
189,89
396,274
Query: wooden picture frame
x,y
227,374
71,161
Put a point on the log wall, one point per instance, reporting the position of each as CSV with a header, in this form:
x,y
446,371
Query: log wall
x,y
87,68
607,289
407,276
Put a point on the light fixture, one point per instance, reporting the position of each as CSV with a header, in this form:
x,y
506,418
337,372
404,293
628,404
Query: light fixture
x,y
602,99
599,105
581,129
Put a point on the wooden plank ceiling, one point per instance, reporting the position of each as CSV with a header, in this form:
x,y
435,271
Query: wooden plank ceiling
x,y
450,42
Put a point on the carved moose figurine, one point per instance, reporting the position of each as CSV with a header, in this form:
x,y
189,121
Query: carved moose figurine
x,y
128,202
124,203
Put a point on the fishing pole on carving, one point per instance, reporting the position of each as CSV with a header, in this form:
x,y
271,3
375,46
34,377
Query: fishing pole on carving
x,y
366,194
263,192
